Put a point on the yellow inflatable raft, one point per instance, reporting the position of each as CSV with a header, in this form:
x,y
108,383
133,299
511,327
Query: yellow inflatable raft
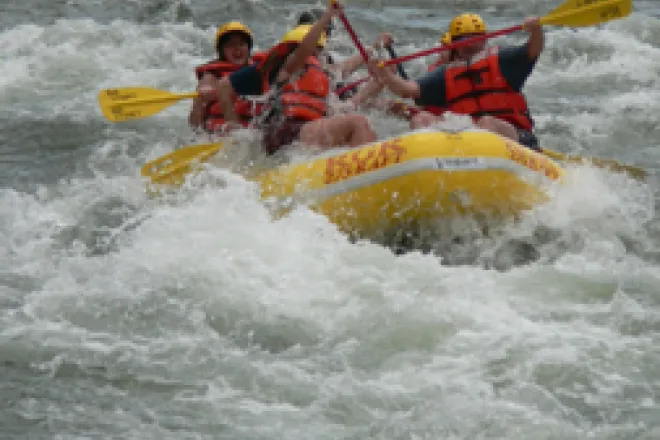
x,y
415,178
411,179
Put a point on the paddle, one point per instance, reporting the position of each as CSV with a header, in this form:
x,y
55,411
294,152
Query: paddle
x,y
452,46
610,164
118,105
172,167
573,13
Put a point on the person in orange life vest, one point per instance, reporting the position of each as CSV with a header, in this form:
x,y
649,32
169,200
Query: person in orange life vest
x,y
485,84
233,44
301,107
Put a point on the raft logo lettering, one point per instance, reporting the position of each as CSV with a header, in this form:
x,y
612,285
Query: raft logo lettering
x,y
120,95
119,110
457,163
529,159
358,162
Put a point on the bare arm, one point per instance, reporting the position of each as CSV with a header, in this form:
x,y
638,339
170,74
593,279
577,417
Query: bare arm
x,y
196,115
225,99
352,63
205,89
365,93
536,40
402,87
307,47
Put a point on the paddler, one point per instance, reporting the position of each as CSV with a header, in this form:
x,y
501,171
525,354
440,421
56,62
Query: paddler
x,y
485,83
233,43
301,89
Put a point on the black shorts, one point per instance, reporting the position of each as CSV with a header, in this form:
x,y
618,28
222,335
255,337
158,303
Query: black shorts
x,y
528,139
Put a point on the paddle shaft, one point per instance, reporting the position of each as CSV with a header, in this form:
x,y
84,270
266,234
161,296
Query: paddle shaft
x,y
453,46
352,85
570,13
353,35
398,60
155,99
633,171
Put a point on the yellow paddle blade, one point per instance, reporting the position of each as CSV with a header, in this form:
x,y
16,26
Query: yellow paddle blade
x,y
119,105
578,13
610,164
171,169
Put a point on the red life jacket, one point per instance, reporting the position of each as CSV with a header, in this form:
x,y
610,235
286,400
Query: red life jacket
x,y
245,110
305,97
479,89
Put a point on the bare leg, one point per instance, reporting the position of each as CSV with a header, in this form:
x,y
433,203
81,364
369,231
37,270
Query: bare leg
x,y
339,130
366,93
225,99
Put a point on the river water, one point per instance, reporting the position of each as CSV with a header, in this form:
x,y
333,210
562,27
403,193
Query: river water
x,y
126,317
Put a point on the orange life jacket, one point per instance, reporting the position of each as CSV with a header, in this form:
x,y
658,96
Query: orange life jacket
x,y
479,89
245,110
305,98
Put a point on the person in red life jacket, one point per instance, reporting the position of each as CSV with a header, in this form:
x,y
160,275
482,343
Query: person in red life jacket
x,y
300,109
233,44
483,83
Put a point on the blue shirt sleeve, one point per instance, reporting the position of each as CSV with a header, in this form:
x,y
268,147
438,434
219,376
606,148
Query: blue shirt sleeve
x,y
432,88
246,81
515,65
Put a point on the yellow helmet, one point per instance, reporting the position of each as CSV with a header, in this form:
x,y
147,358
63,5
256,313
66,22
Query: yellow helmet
x,y
233,27
445,39
297,34
465,24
